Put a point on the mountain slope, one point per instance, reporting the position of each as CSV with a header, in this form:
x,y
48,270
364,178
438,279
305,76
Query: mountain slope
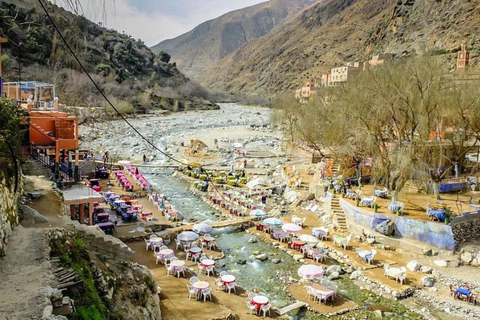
x,y
333,32
125,68
198,50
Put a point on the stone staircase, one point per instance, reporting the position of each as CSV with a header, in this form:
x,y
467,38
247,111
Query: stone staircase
x,y
339,218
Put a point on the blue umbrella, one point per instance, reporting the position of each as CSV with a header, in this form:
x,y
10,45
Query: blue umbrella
x,y
257,213
273,221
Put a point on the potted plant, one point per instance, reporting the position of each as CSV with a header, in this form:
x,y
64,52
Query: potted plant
x,y
448,215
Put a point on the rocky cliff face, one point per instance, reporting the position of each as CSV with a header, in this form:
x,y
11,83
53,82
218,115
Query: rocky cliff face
x,y
198,50
10,196
333,32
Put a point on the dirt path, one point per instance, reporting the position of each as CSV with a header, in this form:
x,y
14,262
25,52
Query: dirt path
x,y
25,274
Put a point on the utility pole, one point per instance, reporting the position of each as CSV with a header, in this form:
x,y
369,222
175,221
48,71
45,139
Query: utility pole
x,y
2,40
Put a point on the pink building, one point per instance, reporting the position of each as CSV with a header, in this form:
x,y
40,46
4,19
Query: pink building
x,y
307,91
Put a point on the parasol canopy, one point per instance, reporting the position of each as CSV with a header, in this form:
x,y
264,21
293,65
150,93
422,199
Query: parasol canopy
x,y
187,236
273,222
310,271
291,228
311,240
258,182
124,162
257,213
202,228
237,145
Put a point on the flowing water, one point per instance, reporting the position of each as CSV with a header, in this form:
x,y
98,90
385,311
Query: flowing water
x,y
264,276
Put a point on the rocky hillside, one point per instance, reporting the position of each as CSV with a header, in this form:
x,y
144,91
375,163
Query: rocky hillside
x,y
333,32
126,69
198,50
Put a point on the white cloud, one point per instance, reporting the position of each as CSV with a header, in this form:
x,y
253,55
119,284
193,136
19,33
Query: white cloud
x,y
157,20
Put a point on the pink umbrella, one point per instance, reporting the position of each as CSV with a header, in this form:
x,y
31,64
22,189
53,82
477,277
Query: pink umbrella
x,y
291,228
310,271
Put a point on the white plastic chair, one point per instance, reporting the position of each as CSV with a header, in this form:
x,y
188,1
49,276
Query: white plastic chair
x,y
207,293
252,295
178,244
310,293
193,280
191,292
230,287
209,270
251,307
223,273
201,269
265,309
148,244
169,268
219,284
179,271
173,259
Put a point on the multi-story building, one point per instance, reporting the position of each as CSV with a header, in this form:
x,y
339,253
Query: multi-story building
x,y
378,60
307,91
344,74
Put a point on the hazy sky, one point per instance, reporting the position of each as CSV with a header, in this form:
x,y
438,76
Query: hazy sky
x,y
157,20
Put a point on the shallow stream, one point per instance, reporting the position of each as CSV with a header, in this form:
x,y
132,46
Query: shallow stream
x,y
264,276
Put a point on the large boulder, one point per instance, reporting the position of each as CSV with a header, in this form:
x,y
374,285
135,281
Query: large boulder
x,y
333,276
334,268
440,263
262,257
426,269
355,275
385,227
413,266
466,257
428,281
32,215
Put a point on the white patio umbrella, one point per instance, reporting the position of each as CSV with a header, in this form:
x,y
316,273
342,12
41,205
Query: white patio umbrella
x,y
237,145
202,228
291,228
187,236
257,213
311,240
258,182
273,222
124,162
310,271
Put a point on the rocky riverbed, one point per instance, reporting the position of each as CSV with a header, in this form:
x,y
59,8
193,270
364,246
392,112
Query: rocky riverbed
x,y
248,126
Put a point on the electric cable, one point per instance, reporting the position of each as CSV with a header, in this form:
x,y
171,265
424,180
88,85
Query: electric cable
x,y
108,100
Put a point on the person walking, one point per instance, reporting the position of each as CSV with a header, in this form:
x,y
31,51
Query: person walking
x,y
144,158
244,163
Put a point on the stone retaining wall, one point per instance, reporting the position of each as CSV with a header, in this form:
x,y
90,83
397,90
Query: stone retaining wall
x,y
466,227
433,233
9,203
104,244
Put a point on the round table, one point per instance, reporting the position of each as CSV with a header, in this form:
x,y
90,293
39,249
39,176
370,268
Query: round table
x,y
260,301
207,263
200,285
156,241
208,239
228,278
176,265
195,250
298,244
165,252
